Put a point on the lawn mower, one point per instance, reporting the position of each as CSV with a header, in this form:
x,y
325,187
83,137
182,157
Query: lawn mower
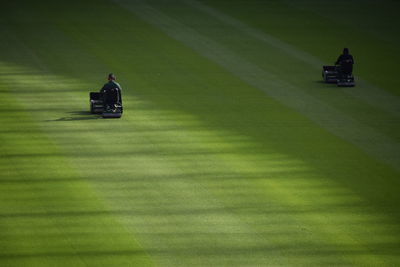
x,y
335,74
330,74
108,104
345,77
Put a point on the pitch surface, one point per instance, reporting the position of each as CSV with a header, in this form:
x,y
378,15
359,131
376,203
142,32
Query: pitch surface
x,y
230,152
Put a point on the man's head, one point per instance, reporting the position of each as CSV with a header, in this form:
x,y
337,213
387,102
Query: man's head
x,y
345,51
111,77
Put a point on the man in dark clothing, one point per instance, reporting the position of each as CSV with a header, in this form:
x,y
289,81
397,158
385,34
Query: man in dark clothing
x,y
111,92
345,61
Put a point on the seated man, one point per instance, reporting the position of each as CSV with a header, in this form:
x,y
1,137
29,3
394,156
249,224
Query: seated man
x,y
345,62
111,92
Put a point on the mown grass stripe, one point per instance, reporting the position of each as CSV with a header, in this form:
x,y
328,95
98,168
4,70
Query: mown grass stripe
x,y
202,169
372,95
49,215
368,139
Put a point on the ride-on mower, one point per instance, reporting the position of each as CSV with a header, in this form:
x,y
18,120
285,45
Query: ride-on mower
x,y
108,104
335,74
330,74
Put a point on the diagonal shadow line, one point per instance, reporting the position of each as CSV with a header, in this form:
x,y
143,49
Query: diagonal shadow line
x,y
79,115
374,143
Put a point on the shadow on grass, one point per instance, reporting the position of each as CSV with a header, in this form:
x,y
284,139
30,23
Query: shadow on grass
x,y
320,82
79,115
81,112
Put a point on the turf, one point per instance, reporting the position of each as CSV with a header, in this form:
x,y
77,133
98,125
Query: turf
x,y
230,151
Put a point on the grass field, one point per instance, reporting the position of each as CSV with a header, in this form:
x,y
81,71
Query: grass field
x,y
230,151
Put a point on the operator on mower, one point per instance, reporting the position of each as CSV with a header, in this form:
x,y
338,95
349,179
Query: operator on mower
x,y
345,62
111,92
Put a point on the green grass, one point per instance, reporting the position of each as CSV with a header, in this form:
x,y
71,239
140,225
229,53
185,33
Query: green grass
x,y
230,151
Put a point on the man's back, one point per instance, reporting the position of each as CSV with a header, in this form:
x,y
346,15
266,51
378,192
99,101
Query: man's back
x,y
110,85
111,91
345,61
